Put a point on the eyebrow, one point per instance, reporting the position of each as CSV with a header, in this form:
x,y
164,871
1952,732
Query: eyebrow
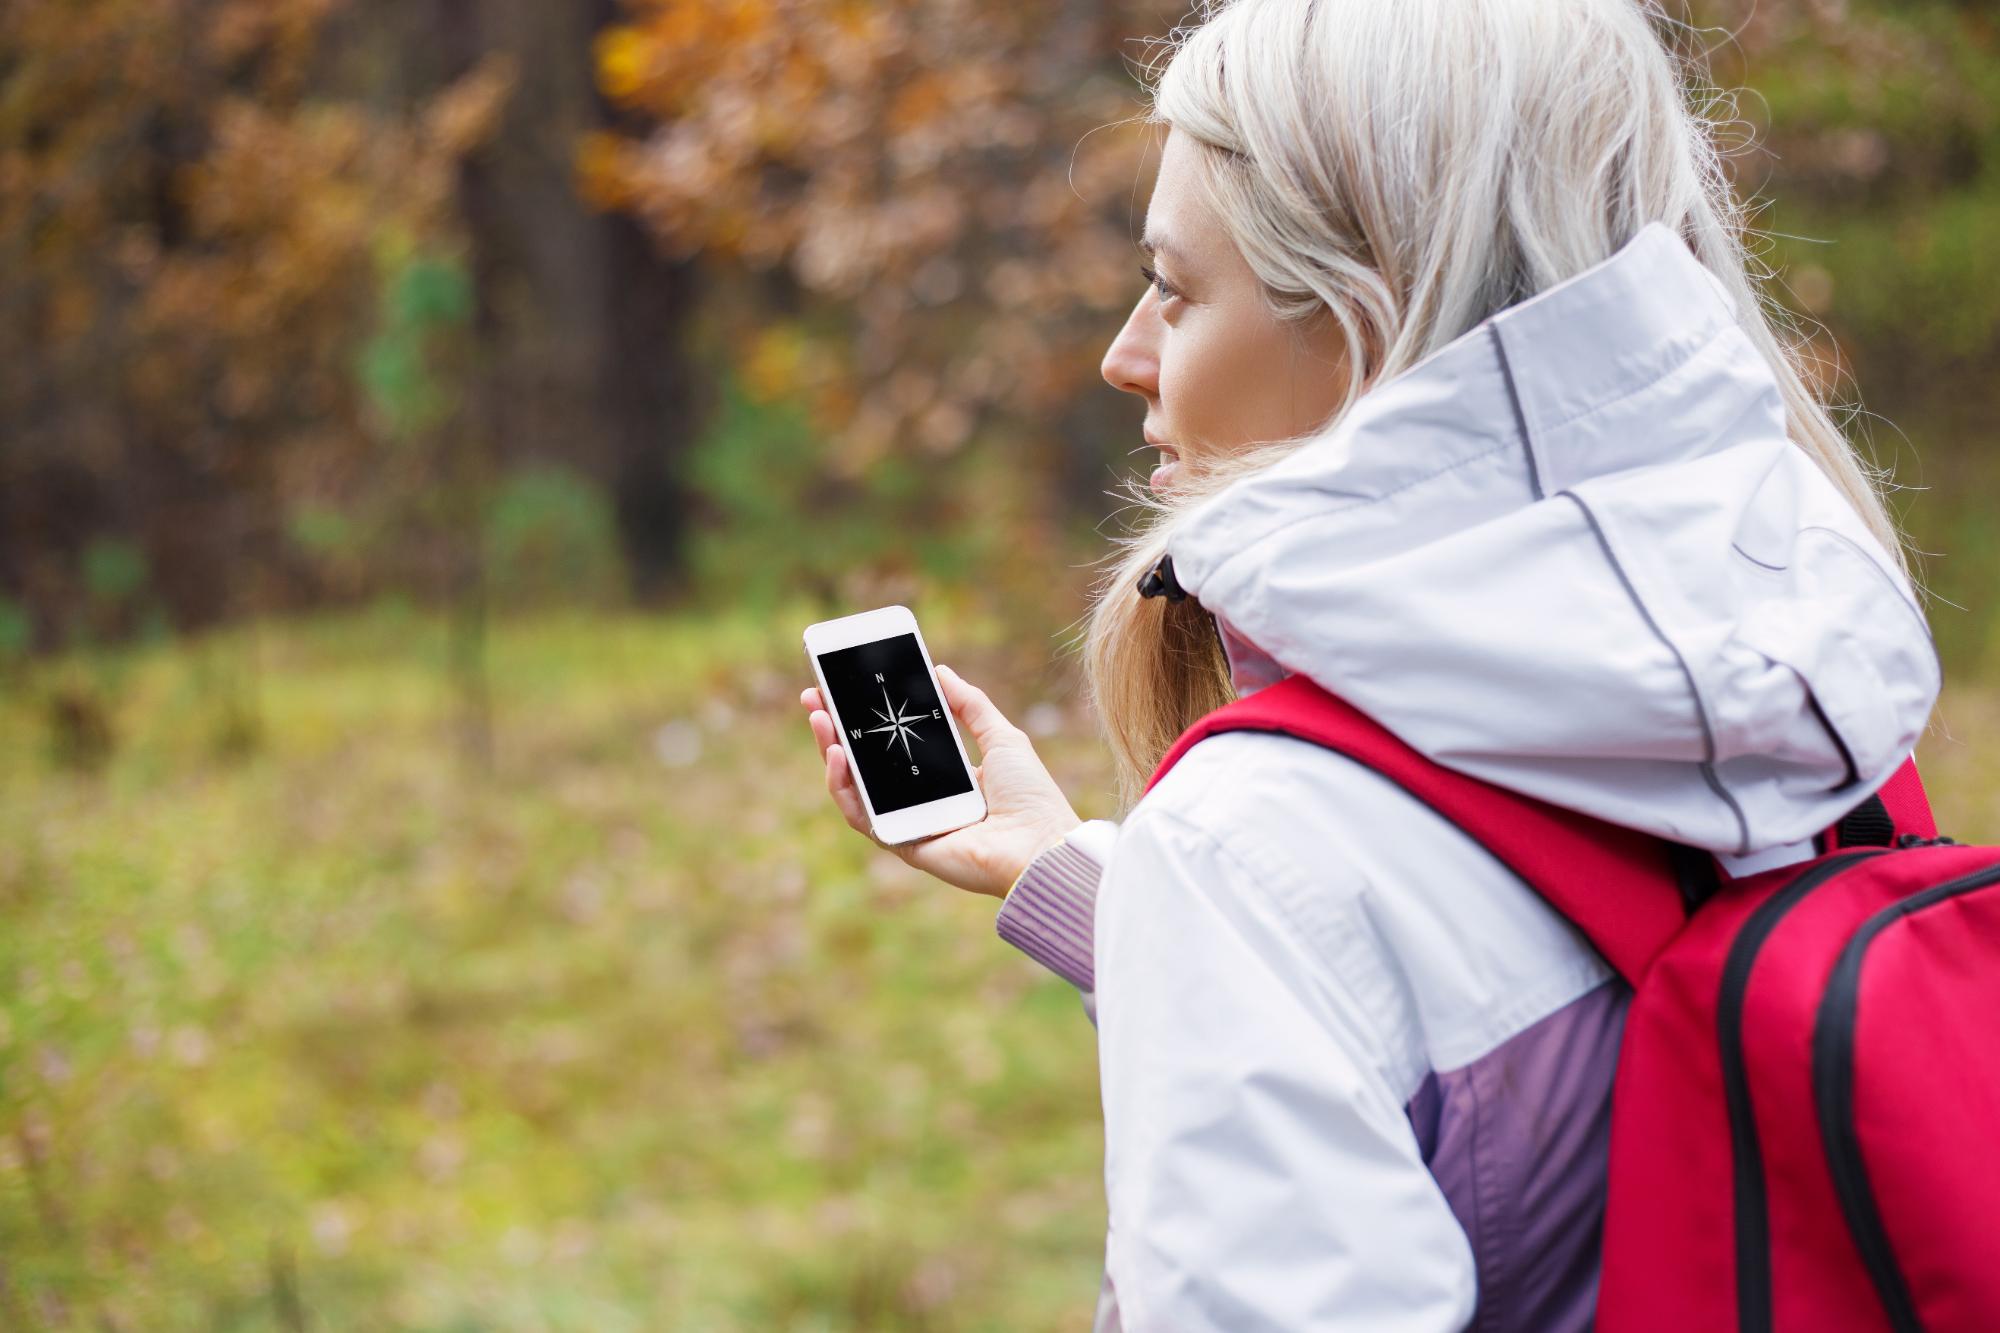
x,y
1161,245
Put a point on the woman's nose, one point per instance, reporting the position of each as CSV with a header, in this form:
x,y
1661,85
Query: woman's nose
x,y
1133,363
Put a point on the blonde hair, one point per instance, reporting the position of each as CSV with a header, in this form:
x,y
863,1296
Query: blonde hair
x,y
1408,170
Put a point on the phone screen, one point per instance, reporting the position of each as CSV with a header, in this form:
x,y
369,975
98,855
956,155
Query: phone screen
x,y
897,736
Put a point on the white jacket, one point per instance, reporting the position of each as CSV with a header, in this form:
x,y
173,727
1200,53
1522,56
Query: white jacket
x,y
1355,1074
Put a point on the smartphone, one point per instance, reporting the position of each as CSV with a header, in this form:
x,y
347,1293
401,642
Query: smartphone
x,y
877,682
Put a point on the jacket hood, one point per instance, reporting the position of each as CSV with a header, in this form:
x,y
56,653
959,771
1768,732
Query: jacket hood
x,y
1573,553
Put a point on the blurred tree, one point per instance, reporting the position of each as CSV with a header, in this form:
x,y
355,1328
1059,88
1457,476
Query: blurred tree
x,y
920,234
1877,154
584,326
423,383
933,241
830,243
188,237
1878,167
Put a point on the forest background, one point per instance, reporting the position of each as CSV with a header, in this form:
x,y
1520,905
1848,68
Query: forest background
x,y
425,427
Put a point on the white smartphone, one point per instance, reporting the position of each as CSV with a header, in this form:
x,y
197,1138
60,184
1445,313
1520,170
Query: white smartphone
x,y
902,743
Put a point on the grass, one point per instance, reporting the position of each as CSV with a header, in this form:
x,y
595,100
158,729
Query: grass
x,y
305,1023
330,1030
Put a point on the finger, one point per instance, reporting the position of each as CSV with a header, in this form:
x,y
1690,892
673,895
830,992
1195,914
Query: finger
x,y
809,696
838,775
840,783
970,704
843,774
822,729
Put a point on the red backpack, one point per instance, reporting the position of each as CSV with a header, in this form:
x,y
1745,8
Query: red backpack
x,y
1805,1124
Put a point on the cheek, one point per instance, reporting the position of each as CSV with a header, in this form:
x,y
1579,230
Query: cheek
x,y
1224,386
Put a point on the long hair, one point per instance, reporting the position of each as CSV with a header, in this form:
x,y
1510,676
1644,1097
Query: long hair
x,y
1408,170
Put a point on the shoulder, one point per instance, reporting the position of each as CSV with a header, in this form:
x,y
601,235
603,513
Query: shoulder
x,y
1361,884
1265,817
1254,791
1308,824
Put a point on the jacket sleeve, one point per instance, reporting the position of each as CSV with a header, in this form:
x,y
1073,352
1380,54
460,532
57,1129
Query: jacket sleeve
x,y
1260,1170
1049,913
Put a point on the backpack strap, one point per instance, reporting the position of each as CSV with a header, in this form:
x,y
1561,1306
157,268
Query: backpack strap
x,y
1897,809
1618,885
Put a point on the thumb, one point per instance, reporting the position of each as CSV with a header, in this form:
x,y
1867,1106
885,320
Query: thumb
x,y
989,726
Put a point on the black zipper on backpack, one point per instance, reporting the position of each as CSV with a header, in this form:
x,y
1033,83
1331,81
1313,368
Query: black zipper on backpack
x,y
1833,1093
1753,1221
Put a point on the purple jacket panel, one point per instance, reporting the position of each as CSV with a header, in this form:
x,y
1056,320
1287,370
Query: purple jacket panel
x,y
1518,1140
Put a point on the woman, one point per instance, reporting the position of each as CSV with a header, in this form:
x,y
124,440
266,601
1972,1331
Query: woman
x,y
1471,414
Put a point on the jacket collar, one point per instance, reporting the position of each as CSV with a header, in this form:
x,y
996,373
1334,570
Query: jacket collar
x,y
1491,406
1573,551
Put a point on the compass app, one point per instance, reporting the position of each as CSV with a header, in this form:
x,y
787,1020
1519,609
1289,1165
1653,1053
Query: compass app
x,y
893,723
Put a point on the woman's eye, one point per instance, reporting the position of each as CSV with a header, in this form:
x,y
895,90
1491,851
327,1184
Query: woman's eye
x,y
1166,292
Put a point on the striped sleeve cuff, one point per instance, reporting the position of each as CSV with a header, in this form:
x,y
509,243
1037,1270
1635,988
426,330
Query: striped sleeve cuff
x,y
1049,912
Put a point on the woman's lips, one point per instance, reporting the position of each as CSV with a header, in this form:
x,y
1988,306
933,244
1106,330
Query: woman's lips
x,y
1164,474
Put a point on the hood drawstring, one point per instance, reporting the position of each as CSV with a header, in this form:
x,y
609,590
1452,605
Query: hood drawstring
x,y
1159,581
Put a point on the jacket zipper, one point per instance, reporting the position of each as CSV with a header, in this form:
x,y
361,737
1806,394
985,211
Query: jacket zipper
x,y
1753,1222
1833,1092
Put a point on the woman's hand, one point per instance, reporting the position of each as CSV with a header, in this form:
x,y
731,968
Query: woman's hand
x,y
1025,810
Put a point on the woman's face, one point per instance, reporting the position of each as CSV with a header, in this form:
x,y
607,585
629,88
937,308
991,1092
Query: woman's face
x,y
1217,371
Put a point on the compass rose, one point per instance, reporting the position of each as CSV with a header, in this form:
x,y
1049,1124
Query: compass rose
x,y
897,722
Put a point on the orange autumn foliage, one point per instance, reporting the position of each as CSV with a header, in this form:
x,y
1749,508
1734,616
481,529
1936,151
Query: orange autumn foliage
x,y
924,171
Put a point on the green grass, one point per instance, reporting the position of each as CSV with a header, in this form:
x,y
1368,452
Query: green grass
x,y
330,1030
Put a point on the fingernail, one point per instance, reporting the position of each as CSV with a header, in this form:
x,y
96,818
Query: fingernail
x,y
946,670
